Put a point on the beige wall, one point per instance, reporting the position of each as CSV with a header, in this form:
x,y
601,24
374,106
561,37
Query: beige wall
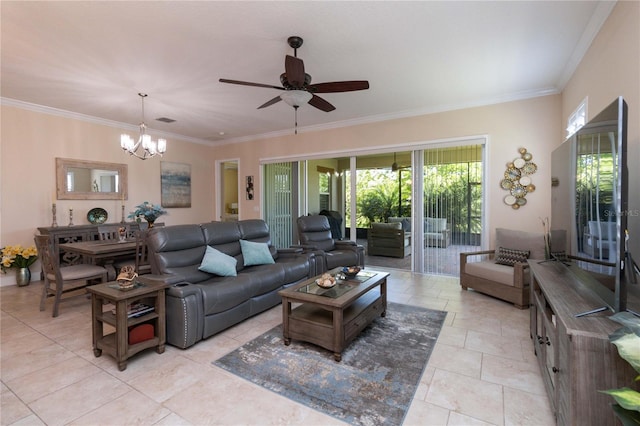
x,y
29,143
531,123
611,68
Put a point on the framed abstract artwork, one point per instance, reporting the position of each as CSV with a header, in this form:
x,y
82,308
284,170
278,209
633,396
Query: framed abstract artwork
x,y
175,179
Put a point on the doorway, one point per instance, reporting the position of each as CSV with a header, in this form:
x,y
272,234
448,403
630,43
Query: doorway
x,y
228,206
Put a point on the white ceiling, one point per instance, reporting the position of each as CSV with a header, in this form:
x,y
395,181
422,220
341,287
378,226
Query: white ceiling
x,y
92,58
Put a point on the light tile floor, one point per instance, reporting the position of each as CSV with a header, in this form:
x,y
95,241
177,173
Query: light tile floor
x,y
482,371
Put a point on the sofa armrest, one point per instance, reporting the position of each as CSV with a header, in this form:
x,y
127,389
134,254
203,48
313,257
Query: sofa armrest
x,y
305,247
464,256
345,243
475,253
519,272
163,279
291,250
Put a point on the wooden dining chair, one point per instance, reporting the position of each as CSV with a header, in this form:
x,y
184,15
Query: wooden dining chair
x,y
112,233
61,280
143,266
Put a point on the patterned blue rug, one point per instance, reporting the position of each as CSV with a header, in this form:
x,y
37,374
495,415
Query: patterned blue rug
x,y
372,385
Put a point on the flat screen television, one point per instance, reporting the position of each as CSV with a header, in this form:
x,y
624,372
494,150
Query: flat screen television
x,y
589,201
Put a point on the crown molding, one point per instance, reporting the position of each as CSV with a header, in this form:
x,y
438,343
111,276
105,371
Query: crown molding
x,y
96,120
287,132
397,115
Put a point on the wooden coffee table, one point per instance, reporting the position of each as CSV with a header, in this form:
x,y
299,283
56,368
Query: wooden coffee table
x,y
332,318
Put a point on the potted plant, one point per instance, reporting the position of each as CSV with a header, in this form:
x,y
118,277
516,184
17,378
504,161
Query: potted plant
x,y
21,258
627,340
148,212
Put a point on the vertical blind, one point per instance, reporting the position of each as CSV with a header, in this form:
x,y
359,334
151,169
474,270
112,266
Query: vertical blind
x,y
278,202
453,192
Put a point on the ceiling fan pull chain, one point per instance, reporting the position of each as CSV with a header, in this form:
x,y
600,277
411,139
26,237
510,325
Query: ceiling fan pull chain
x,y
295,118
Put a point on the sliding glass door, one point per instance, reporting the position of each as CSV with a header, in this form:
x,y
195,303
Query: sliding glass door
x,y
453,205
433,196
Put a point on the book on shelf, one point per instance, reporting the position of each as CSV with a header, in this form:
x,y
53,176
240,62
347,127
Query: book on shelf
x,y
136,309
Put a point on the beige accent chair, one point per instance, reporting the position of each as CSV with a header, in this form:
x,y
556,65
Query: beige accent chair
x,y
388,239
508,283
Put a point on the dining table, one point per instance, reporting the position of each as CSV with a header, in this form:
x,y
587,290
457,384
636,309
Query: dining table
x,y
103,253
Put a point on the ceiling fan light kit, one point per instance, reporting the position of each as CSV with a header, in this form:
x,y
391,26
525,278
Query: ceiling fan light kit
x,y
297,86
150,148
296,98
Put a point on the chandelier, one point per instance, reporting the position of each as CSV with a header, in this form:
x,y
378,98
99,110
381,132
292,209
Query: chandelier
x,y
149,147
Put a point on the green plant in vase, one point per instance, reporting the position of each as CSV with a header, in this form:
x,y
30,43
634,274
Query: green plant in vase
x,y
147,211
627,340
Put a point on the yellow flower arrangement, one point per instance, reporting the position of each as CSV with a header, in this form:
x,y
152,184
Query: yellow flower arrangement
x,y
18,257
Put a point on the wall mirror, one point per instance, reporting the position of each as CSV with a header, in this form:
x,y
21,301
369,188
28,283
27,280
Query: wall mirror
x,y
90,180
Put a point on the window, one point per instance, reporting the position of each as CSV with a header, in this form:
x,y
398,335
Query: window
x,y
578,118
324,187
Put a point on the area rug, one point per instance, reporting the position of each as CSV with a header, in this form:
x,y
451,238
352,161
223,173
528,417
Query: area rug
x,y
372,385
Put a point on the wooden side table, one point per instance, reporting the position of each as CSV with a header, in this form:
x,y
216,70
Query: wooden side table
x,y
117,344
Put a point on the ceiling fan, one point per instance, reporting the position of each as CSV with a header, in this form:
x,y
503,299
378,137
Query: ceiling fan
x,y
297,86
395,167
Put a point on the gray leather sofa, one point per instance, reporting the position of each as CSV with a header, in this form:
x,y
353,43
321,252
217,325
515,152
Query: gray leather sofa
x,y
315,236
200,304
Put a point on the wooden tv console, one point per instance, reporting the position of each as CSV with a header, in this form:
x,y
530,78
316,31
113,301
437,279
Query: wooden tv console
x,y
575,356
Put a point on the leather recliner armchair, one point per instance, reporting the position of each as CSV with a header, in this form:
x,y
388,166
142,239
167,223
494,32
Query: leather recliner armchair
x,y
314,233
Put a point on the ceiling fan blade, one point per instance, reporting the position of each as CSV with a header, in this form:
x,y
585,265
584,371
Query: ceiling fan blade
x,y
271,102
294,68
339,86
246,83
321,104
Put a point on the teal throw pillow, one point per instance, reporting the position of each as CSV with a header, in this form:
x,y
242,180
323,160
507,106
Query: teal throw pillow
x,y
255,253
216,262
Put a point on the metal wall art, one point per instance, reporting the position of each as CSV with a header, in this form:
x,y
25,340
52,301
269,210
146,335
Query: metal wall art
x,y
517,179
249,187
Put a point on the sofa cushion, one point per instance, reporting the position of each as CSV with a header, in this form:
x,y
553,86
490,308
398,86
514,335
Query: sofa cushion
x,y
392,225
510,257
315,231
255,253
295,268
433,224
521,240
220,294
216,262
405,221
263,278
491,271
